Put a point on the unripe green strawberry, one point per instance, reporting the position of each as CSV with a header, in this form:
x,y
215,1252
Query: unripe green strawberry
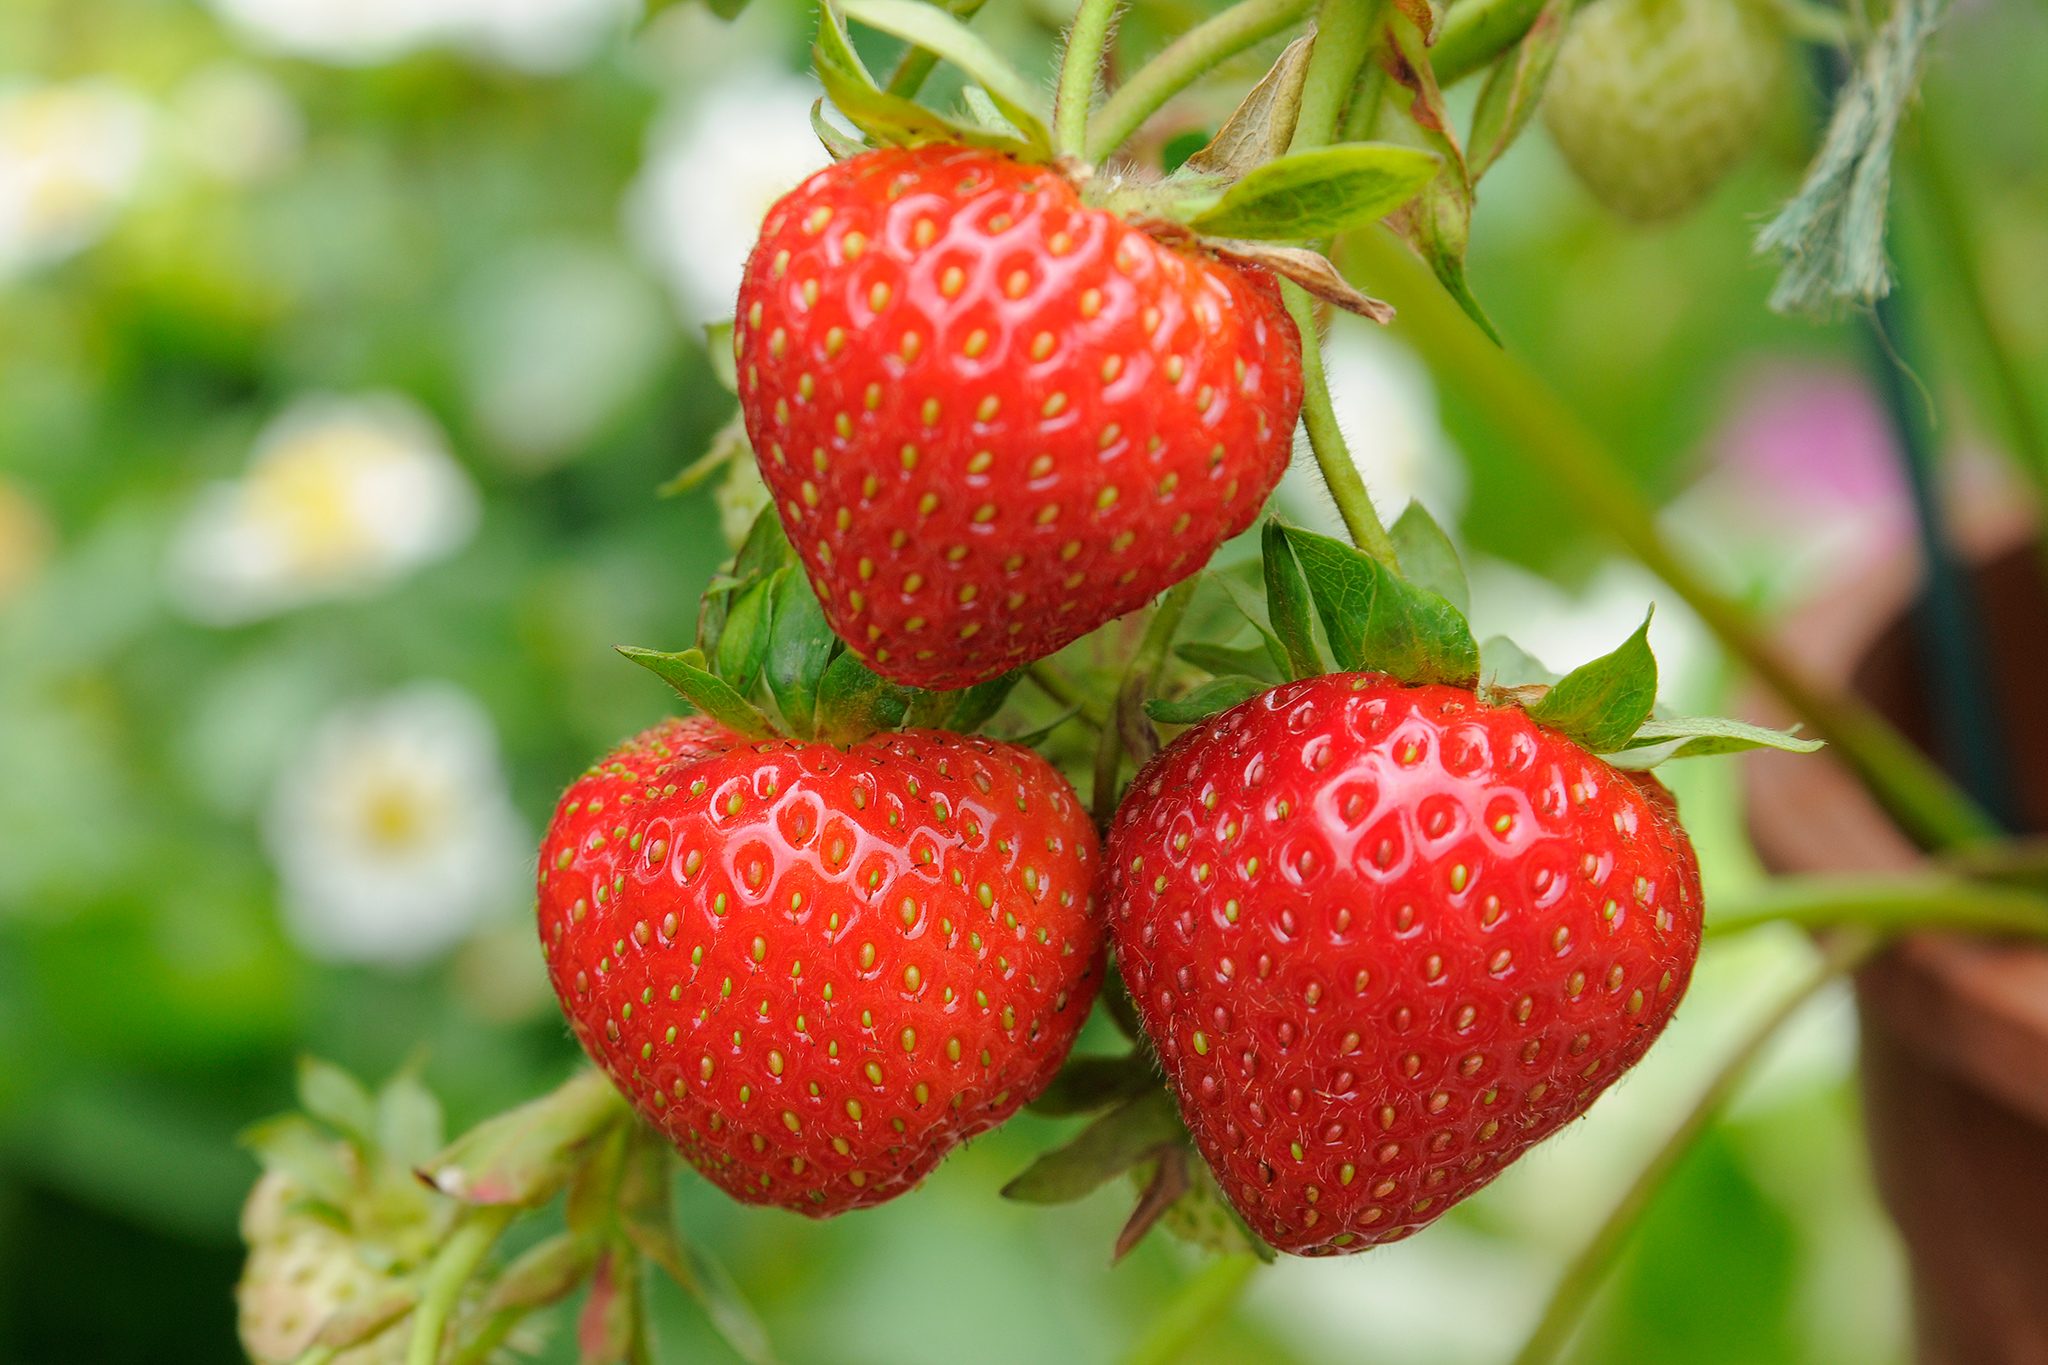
x,y
301,1271
1654,101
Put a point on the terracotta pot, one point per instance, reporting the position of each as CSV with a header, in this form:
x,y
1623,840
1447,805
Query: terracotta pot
x,y
1955,1031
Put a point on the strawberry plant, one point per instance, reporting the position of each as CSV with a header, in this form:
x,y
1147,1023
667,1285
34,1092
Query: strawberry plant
x,y
1374,906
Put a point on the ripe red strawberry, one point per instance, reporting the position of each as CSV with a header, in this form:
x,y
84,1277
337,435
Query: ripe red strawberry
x,y
1387,938
994,417
817,970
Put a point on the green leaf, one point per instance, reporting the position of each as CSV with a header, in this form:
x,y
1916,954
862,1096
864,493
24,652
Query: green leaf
x,y
1259,129
940,33
1086,1084
409,1120
838,145
1505,664
1659,739
983,111
1287,603
854,702
1428,559
800,647
765,549
1319,193
743,644
1254,614
296,1147
337,1099
545,1273
1514,88
1250,661
523,1156
713,696
1602,703
834,50
902,122
1382,622
1217,694
1105,1149
1038,734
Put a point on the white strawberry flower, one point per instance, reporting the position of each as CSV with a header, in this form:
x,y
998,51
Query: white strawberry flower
x,y
393,831
235,122
71,156
714,168
540,35
343,496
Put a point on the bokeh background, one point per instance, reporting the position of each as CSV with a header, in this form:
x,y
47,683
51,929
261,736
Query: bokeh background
x,y
343,347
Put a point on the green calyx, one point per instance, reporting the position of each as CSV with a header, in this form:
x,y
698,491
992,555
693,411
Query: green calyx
x,y
1330,606
766,662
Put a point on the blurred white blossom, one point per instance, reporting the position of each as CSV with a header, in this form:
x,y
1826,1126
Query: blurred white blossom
x,y
542,35
1387,407
1565,628
343,496
393,831
26,539
71,155
714,168
235,122
557,338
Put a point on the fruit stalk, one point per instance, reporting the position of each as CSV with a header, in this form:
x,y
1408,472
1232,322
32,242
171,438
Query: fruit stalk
x,y
1887,904
1588,1270
1183,62
917,63
1087,39
452,1266
1131,692
1477,31
1916,793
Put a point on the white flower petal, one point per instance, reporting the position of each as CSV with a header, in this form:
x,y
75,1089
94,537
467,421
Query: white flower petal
x,y
71,155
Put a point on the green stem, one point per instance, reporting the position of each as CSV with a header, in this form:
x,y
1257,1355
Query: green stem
x,y
1203,1300
1888,905
1477,31
315,1355
1061,689
1326,439
1344,31
916,64
1087,40
457,1260
479,1349
1109,747
1183,62
1926,804
1589,1269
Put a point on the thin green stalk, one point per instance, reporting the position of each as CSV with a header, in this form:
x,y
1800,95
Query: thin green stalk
x,y
916,65
1183,62
1061,689
1087,40
1917,794
1477,31
1326,439
452,1266
1137,680
1887,904
1200,1303
479,1349
1344,33
1589,1269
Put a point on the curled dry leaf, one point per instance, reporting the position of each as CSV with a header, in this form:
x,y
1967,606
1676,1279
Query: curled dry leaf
x,y
1311,270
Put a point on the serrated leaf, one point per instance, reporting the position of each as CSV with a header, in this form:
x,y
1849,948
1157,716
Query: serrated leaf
x,y
837,144
1312,270
854,701
1319,193
938,32
800,646
1660,739
1379,621
1261,127
1428,558
688,673
1086,1084
1250,661
1505,664
1287,603
1217,694
1105,1149
1602,703
1514,88
337,1099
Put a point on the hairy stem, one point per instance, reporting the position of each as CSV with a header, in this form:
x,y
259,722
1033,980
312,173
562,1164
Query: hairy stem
x,y
1137,680
1589,1269
1326,439
1888,904
1087,40
1203,1300
1917,794
457,1260
1063,690
916,64
1183,62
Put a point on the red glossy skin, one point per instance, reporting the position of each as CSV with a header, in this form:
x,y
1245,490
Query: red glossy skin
x,y
818,971
1386,939
993,417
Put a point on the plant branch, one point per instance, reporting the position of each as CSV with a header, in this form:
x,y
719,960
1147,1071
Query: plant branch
x,y
452,1266
1475,32
1137,680
1326,439
1917,794
916,64
1344,30
1087,40
1887,904
1201,1301
1183,62
1061,689
1589,1269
